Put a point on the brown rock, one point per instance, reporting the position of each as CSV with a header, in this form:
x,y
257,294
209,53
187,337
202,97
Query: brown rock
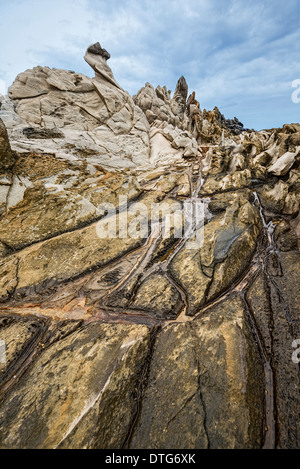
x,y
7,158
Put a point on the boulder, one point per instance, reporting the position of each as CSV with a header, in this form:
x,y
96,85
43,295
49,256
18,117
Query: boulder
x,y
284,163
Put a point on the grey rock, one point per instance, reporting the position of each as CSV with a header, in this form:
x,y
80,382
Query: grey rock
x,y
97,50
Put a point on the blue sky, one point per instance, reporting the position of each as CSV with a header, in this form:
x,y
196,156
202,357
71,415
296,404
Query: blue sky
x,y
238,55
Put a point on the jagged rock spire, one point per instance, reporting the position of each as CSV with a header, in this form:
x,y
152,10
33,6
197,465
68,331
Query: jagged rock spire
x,y
181,88
180,96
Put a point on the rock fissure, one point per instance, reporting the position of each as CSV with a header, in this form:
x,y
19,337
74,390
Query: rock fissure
x,y
142,385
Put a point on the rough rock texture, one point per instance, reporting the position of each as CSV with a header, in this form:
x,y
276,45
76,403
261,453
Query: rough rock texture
x,y
213,390
88,384
6,155
144,339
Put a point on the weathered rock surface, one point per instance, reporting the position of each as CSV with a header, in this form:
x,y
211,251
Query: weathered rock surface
x,y
118,330
282,166
6,155
89,383
220,385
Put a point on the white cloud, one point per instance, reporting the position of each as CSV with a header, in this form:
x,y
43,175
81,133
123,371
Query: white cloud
x,y
3,89
232,53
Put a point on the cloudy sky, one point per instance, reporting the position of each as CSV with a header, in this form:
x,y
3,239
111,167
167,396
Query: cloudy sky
x,y
238,55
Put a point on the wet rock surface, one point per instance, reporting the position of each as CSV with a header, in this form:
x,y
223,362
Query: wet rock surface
x,y
148,339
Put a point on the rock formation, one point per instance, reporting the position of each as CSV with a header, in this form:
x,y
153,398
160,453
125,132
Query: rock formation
x,y
141,341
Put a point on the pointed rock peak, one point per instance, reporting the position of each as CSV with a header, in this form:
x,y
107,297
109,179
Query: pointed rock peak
x,y
182,85
96,49
179,98
181,91
192,99
193,107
